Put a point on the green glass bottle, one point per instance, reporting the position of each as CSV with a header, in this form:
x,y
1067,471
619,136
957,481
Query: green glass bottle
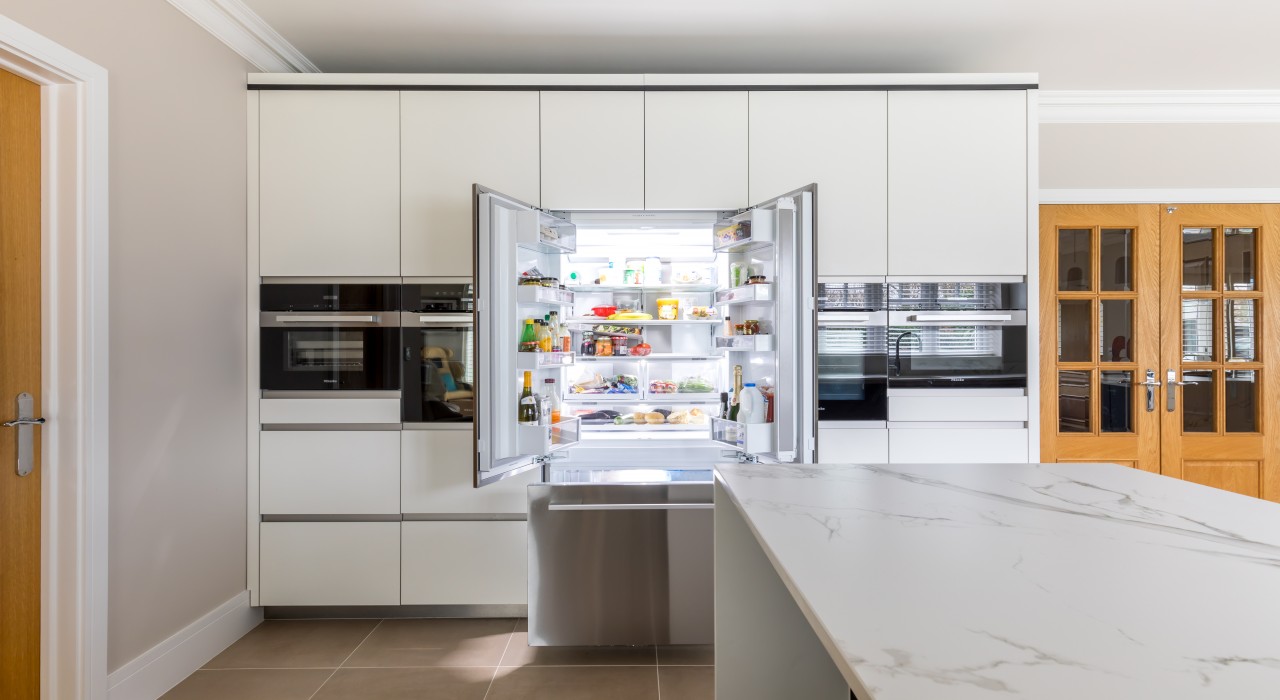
x,y
528,406
529,339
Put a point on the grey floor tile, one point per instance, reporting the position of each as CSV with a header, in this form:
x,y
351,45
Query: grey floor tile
x,y
687,682
434,642
687,655
407,684
295,644
272,684
519,653
575,683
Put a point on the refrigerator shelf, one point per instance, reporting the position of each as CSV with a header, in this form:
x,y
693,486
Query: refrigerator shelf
x,y
542,360
674,288
744,343
653,357
537,294
650,428
587,321
746,294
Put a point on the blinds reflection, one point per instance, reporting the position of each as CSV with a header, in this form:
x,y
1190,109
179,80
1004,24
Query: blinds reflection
x,y
1197,330
946,340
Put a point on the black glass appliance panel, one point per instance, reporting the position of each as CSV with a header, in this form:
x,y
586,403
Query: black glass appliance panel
x,y
324,357
957,296
851,346
439,372
958,356
329,297
438,298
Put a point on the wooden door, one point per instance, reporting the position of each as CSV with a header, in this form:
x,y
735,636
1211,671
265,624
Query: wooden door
x,y
1099,334
1219,421
19,372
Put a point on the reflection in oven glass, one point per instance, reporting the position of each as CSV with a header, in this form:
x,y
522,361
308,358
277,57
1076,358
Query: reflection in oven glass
x,y
325,351
446,375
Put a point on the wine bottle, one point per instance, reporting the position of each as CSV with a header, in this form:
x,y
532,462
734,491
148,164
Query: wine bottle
x,y
737,392
528,413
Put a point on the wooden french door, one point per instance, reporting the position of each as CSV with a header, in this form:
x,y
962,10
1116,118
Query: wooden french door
x,y
1152,347
19,373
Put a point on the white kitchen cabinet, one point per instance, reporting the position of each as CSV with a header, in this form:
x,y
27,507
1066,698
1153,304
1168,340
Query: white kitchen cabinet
x,y
857,445
695,150
450,142
593,150
840,141
331,411
437,472
958,445
329,183
958,408
330,473
330,563
958,183
465,563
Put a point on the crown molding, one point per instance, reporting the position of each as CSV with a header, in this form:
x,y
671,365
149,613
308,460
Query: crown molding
x,y
244,32
1159,106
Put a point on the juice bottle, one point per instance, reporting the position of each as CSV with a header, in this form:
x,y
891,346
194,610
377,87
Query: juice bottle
x,y
552,399
529,338
544,337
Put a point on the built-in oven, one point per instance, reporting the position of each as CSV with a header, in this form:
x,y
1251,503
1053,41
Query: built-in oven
x,y
851,348
970,335
329,337
438,341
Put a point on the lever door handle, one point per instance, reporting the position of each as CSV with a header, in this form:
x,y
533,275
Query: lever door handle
x,y
1172,384
1151,384
25,423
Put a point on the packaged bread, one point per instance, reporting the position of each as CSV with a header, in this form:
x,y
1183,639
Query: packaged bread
x,y
697,416
655,418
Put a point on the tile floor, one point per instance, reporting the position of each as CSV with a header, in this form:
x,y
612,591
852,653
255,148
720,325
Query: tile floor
x,y
439,659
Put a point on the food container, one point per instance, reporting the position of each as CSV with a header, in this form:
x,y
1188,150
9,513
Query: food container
x,y
661,386
756,279
604,346
668,309
604,311
739,329
751,327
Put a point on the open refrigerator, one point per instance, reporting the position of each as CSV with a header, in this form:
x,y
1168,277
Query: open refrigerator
x,y
659,405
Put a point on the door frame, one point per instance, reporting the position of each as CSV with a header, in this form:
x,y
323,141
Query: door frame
x,y
74,223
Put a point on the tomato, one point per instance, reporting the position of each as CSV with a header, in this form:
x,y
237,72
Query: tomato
x,y
642,349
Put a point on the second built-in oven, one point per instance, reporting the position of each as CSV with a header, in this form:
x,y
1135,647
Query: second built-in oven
x,y
438,337
851,351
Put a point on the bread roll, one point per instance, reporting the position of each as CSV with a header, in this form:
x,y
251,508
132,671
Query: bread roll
x,y
655,418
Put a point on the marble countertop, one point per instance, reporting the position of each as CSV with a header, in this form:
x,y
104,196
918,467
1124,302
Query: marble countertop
x,y
949,582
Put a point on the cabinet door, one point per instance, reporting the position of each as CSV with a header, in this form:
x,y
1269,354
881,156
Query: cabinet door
x,y
329,169
316,472
437,473
330,563
958,182
593,150
465,563
451,141
838,140
858,445
695,150
958,445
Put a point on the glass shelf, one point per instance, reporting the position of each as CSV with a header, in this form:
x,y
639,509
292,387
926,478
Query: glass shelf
x,y
675,288
587,321
537,294
744,343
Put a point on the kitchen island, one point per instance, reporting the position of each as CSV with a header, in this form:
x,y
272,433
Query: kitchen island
x,y
952,582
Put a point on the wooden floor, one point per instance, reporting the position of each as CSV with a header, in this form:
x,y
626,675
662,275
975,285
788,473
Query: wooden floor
x,y
439,660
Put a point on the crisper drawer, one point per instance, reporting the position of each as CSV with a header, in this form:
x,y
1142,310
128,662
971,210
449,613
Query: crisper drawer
x,y
860,445
330,563
322,410
437,476
464,563
330,473
958,408
958,445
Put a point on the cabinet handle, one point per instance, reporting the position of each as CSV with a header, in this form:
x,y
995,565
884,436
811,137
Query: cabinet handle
x,y
326,319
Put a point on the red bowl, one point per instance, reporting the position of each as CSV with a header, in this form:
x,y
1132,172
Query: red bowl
x,y
604,311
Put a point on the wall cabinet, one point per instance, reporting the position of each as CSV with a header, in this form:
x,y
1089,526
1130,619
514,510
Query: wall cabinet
x,y
330,563
451,141
958,182
593,150
840,141
695,150
329,181
436,473
474,562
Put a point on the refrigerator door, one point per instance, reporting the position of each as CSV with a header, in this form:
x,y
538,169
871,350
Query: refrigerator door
x,y
512,237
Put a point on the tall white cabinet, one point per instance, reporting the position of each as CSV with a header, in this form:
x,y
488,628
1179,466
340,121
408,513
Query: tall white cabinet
x,y
452,140
695,150
958,182
329,183
838,140
593,149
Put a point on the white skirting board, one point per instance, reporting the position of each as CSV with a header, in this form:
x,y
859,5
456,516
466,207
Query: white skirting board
x,y
166,664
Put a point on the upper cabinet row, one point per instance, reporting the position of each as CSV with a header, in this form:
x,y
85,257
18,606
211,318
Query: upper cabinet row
x,y
368,183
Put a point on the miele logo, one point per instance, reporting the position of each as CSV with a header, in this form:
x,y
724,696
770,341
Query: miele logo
x,y
331,381
329,296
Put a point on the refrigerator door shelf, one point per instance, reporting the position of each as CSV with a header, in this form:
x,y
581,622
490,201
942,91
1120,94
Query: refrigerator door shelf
x,y
744,343
544,439
746,294
750,230
537,294
541,360
751,438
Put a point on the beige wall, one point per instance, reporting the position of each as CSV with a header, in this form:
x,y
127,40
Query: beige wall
x,y
177,370
1105,156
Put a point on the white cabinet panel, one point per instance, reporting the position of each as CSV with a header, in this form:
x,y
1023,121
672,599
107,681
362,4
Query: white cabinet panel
x,y
957,445
593,150
957,408
329,183
296,411
695,150
857,445
451,141
437,471
330,563
465,563
958,182
840,141
330,473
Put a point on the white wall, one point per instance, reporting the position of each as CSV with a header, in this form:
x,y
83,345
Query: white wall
x,y
177,179
1104,156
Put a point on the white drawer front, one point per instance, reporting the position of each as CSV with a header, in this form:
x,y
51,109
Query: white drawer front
x,y
437,473
958,408
865,446
465,563
343,472
277,411
330,563
957,445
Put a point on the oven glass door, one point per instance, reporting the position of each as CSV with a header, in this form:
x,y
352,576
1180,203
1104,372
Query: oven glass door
x,y
851,367
957,356
439,368
325,357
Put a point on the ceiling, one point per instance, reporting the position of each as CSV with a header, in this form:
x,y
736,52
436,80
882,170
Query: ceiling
x,y
1080,44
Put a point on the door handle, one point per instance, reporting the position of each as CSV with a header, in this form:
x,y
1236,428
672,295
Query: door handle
x,y
1151,384
25,423
1172,384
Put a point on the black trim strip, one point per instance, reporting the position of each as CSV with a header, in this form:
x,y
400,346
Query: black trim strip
x,y
640,88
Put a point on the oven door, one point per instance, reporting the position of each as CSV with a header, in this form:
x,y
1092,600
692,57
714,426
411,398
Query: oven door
x,y
330,351
958,349
852,366
439,367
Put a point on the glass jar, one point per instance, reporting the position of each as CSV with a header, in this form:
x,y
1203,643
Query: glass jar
x,y
604,346
620,345
739,329
751,327
756,279
588,343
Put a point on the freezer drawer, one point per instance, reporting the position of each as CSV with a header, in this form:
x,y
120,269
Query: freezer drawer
x,y
621,564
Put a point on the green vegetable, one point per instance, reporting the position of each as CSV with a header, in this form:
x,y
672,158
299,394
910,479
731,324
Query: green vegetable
x,y
624,420
695,385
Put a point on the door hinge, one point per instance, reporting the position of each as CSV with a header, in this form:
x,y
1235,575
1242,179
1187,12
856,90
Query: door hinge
x,y
479,446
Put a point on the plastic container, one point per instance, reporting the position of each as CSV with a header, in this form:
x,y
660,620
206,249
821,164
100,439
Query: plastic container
x,y
751,405
668,309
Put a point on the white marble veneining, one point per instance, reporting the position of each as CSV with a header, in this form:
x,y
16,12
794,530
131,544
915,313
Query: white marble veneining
x,y
943,582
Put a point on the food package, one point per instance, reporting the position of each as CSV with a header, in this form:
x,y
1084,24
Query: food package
x,y
702,382
668,309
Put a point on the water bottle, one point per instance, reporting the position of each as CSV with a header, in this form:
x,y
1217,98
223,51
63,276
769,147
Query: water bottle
x,y
752,408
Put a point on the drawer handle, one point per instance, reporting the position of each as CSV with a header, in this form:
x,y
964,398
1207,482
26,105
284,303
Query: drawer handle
x,y
631,506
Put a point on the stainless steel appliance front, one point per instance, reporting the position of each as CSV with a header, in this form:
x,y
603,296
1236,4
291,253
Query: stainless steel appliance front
x,y
620,564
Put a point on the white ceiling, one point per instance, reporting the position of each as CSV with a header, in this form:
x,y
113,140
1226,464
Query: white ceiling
x,y
1073,44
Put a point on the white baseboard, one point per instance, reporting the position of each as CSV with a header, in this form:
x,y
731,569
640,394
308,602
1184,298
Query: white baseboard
x,y
166,664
